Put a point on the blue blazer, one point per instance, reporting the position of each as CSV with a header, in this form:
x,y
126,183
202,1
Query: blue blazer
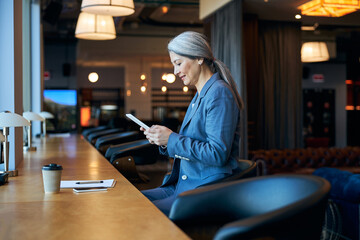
x,y
207,145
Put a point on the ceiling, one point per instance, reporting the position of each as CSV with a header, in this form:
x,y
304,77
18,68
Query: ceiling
x,y
184,14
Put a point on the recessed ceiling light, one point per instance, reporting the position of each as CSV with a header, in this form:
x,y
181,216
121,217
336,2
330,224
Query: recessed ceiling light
x,y
298,16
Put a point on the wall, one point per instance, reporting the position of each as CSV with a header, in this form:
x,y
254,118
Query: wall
x,y
109,77
335,76
55,55
119,63
136,55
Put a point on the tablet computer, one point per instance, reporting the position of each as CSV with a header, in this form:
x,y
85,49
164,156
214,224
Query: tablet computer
x,y
137,121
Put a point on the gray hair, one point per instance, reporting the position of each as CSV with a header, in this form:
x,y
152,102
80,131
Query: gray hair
x,y
194,45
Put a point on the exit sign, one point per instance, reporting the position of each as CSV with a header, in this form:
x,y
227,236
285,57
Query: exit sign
x,y
318,78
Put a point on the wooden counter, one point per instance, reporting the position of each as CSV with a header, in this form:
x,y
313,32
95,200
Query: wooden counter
x,y
121,212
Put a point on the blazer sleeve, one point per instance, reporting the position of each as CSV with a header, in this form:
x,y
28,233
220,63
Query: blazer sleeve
x,y
220,124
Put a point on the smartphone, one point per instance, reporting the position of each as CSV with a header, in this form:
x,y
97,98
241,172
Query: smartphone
x,y
81,190
140,123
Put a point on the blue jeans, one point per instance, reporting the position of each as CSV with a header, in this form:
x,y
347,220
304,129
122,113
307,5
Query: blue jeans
x,y
161,197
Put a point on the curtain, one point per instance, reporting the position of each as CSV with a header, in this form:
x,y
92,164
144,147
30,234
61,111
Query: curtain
x,y
226,41
251,53
280,85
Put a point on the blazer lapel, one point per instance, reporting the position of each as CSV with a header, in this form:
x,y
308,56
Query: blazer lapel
x,y
188,113
194,105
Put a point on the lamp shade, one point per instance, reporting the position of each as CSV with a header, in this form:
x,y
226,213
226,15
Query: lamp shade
x,y
314,52
108,7
46,115
12,120
95,27
31,116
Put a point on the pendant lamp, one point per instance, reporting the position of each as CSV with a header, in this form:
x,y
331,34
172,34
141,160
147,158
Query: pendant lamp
x,y
314,52
108,7
95,27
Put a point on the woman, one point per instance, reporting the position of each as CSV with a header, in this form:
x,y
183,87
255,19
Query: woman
x,y
206,148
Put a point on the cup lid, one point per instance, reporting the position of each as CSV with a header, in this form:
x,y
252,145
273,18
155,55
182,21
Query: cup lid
x,y
52,166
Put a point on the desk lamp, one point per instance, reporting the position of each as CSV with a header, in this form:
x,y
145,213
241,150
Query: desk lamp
x,y
10,120
45,115
31,116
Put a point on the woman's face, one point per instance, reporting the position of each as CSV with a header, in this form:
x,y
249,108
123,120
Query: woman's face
x,y
187,69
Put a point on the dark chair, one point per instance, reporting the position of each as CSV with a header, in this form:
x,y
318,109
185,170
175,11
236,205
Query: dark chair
x,y
86,132
269,207
124,157
104,142
343,213
94,136
246,168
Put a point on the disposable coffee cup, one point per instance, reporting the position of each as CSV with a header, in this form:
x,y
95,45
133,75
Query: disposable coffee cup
x,y
51,177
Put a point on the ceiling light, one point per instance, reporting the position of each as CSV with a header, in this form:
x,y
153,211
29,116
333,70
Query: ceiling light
x,y
170,78
93,77
329,8
307,28
164,9
163,88
185,89
298,16
143,77
314,52
310,28
108,107
95,27
143,89
108,7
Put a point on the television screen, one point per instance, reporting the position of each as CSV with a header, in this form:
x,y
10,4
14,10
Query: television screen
x,y
61,103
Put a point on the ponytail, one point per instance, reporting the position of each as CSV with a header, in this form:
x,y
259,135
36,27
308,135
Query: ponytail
x,y
225,74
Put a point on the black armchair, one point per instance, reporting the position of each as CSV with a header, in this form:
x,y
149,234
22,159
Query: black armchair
x,y
104,142
269,207
246,169
86,132
94,136
124,157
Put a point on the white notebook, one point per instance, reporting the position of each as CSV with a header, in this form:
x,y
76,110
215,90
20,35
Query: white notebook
x,y
108,183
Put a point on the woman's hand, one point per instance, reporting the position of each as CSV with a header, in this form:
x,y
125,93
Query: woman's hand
x,y
157,134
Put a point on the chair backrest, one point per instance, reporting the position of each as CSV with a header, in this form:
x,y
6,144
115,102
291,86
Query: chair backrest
x,y
119,147
280,206
94,136
86,132
246,168
142,153
104,142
